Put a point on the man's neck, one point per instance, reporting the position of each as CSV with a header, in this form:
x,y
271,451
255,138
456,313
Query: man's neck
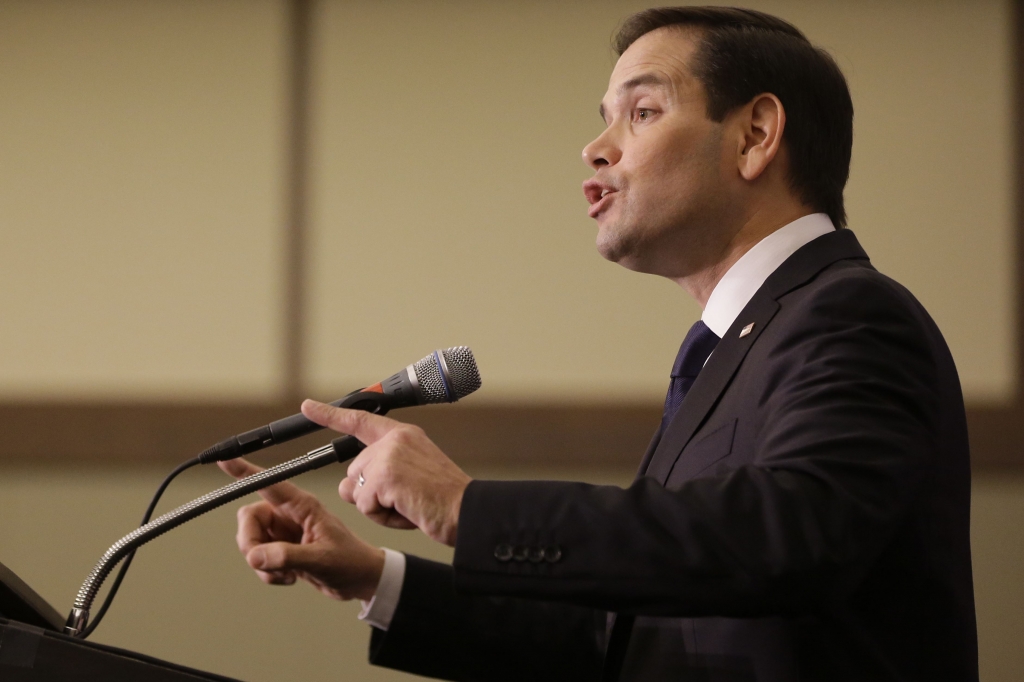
x,y
701,283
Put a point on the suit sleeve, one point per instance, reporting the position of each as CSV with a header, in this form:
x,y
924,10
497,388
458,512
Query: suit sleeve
x,y
440,633
849,407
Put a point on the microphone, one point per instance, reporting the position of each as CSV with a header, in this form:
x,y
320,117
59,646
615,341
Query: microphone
x,y
444,376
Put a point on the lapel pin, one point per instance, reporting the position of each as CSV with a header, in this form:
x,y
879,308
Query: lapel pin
x,y
746,330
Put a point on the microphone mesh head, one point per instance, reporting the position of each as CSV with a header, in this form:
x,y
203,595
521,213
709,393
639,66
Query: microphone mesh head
x,y
463,376
462,370
428,374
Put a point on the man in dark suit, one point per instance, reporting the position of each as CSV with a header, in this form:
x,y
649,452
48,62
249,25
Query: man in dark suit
x,y
802,513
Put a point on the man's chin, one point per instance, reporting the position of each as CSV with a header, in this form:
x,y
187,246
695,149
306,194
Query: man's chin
x,y
629,251
622,252
609,248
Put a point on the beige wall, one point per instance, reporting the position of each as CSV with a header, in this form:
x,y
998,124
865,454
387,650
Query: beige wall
x,y
141,165
142,188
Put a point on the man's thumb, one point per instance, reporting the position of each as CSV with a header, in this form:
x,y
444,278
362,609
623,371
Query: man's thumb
x,y
278,556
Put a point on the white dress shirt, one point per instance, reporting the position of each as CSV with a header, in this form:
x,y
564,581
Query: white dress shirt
x,y
379,611
727,300
740,282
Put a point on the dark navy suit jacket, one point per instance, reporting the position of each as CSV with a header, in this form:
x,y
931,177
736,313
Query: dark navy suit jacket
x,y
804,516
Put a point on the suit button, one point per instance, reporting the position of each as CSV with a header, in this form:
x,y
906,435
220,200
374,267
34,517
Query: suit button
x,y
553,553
535,555
503,552
519,553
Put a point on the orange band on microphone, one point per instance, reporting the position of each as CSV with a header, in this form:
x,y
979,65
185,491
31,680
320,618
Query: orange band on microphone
x,y
376,388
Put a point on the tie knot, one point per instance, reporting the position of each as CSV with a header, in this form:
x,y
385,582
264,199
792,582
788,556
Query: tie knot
x,y
700,341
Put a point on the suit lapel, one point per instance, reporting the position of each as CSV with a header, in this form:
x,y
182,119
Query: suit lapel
x,y
797,270
646,461
709,385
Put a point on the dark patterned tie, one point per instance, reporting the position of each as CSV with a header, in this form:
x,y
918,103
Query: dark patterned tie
x,y
700,341
697,347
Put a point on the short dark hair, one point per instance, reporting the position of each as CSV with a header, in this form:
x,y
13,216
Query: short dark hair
x,y
743,53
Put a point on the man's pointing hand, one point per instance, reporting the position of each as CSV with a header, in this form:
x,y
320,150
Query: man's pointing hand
x,y
401,479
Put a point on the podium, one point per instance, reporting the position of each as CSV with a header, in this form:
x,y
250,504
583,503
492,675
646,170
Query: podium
x,y
29,653
33,647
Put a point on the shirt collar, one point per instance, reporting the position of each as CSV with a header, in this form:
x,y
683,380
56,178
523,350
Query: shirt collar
x,y
745,277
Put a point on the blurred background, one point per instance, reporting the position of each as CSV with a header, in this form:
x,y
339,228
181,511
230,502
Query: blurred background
x,y
211,209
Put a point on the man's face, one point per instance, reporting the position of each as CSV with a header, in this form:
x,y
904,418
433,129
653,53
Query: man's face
x,y
658,191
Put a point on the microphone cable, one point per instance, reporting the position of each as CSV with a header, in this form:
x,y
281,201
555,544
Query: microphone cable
x,y
128,559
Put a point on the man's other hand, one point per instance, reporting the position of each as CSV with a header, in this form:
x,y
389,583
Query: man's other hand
x,y
406,480
290,535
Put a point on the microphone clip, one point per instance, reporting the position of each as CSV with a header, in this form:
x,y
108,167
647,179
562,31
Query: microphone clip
x,y
290,427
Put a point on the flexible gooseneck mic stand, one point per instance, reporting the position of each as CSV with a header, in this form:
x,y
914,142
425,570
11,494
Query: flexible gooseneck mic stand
x,y
339,450
444,376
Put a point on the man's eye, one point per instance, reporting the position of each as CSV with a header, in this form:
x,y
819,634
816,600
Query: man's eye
x,y
643,114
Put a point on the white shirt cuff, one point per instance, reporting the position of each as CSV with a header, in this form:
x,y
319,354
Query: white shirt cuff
x,y
379,611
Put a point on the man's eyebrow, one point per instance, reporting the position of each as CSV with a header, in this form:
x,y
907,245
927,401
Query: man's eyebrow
x,y
636,82
644,79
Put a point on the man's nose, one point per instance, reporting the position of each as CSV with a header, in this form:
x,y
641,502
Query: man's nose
x,y
602,151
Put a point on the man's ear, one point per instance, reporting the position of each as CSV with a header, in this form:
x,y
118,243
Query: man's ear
x,y
762,122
